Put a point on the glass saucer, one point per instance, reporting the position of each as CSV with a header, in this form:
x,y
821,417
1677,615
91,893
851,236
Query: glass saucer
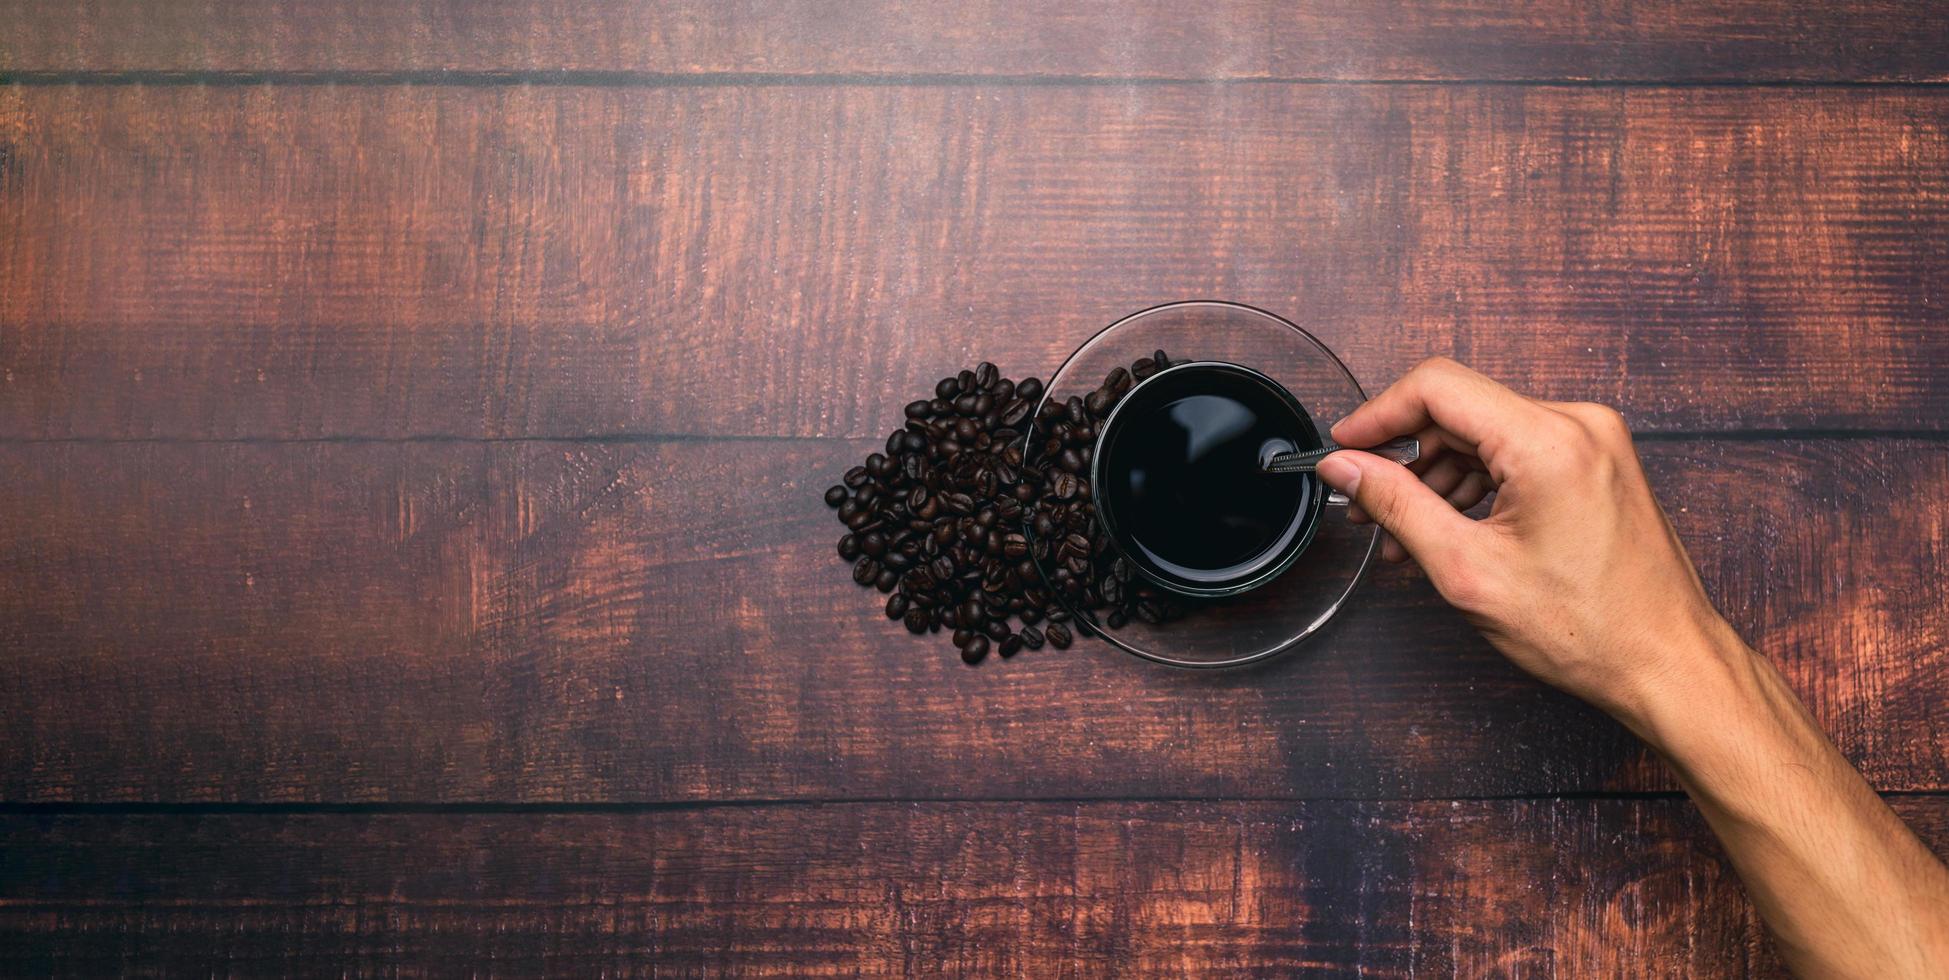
x,y
1278,615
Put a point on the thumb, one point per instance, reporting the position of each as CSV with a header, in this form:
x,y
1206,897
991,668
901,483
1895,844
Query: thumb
x,y
1425,524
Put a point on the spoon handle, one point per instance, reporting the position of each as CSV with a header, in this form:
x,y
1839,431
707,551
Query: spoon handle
x,y
1403,451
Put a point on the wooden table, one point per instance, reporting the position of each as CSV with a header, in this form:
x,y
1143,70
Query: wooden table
x,y
413,418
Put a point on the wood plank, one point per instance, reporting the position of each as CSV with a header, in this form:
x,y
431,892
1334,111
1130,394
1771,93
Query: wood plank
x,y
665,622
799,260
1574,887
1851,40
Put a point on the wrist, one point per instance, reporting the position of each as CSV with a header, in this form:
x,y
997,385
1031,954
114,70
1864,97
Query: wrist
x,y
1703,689
1731,729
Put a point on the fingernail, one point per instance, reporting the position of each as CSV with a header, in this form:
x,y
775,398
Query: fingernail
x,y
1339,473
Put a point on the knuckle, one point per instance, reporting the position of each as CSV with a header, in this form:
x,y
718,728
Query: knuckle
x,y
1466,587
1567,444
1605,422
1437,365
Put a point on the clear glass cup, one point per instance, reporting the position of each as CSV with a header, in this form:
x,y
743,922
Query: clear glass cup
x,y
1278,615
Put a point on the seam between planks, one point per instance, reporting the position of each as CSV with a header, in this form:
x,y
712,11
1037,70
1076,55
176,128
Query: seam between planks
x,y
652,438
487,808
643,79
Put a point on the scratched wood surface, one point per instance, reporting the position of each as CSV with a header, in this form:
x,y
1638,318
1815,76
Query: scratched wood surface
x,y
1484,888
1644,40
547,622
412,417
325,261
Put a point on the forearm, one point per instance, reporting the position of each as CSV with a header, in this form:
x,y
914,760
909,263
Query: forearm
x,y
1845,886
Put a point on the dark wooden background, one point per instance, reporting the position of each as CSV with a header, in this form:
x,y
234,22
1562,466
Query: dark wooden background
x,y
413,417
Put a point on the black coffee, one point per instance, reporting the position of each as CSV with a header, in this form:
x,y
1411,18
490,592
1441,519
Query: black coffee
x,y
1183,485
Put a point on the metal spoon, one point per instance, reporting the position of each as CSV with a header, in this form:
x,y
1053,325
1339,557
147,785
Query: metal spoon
x,y
1403,451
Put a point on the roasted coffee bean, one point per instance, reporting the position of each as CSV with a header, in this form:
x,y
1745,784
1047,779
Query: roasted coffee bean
x,y
1064,487
1028,389
887,580
1143,368
1097,402
996,629
873,543
914,467
974,650
899,561
947,388
835,496
1118,619
1031,614
971,613
919,409
943,567
1118,381
962,636
849,547
986,374
960,503
1015,546
964,382
1059,636
880,466
865,495
856,477
866,570
1158,358
965,430
897,605
860,520
917,621
916,499
1073,409
1030,637
913,442
1009,646
1072,461
964,405
984,405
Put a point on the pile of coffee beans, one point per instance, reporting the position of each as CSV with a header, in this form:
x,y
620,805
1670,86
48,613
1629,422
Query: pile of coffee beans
x,y
941,521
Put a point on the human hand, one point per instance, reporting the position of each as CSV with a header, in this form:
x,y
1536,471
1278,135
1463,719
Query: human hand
x,y
1576,575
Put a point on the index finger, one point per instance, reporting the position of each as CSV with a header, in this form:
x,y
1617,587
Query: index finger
x,y
1475,410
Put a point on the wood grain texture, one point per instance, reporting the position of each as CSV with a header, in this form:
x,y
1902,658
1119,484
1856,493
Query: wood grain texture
x,y
1491,888
798,260
1846,40
668,622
